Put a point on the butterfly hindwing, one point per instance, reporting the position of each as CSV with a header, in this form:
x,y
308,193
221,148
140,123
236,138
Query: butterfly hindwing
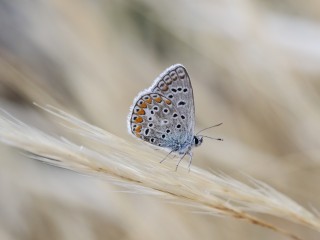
x,y
153,119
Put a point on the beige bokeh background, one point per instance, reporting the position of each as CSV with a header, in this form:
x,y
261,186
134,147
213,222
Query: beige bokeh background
x,y
254,66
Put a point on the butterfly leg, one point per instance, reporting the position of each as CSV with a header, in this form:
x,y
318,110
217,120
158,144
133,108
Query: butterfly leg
x,y
180,161
190,161
166,156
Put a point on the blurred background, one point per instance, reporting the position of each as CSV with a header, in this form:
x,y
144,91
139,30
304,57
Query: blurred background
x,y
254,66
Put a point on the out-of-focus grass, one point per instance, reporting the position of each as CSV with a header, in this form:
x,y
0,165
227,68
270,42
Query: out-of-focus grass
x,y
253,66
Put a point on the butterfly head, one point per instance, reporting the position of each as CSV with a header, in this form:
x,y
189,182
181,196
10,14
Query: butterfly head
x,y
197,140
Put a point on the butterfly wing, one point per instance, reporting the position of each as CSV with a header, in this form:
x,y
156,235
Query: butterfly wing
x,y
163,115
174,83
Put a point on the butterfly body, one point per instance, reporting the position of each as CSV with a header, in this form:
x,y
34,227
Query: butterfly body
x,y
164,115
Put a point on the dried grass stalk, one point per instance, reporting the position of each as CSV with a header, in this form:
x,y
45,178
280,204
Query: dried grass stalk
x,y
137,168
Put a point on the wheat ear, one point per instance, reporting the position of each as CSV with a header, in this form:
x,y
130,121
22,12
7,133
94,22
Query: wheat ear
x,y
138,170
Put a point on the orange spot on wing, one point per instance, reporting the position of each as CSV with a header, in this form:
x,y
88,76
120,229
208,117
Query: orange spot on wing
x,y
141,112
168,101
148,100
142,105
139,120
158,99
138,129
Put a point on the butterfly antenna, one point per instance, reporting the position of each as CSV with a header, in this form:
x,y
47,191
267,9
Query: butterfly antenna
x,y
209,128
218,139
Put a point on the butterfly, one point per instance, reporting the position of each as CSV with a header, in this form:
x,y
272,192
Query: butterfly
x,y
164,114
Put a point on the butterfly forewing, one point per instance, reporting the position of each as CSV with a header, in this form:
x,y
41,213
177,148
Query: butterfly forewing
x,y
174,83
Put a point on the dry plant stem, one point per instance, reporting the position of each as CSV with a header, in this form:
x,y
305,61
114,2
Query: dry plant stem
x,y
124,164
224,210
220,208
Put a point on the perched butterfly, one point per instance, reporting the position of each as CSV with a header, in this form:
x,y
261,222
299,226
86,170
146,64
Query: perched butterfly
x,y
164,114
